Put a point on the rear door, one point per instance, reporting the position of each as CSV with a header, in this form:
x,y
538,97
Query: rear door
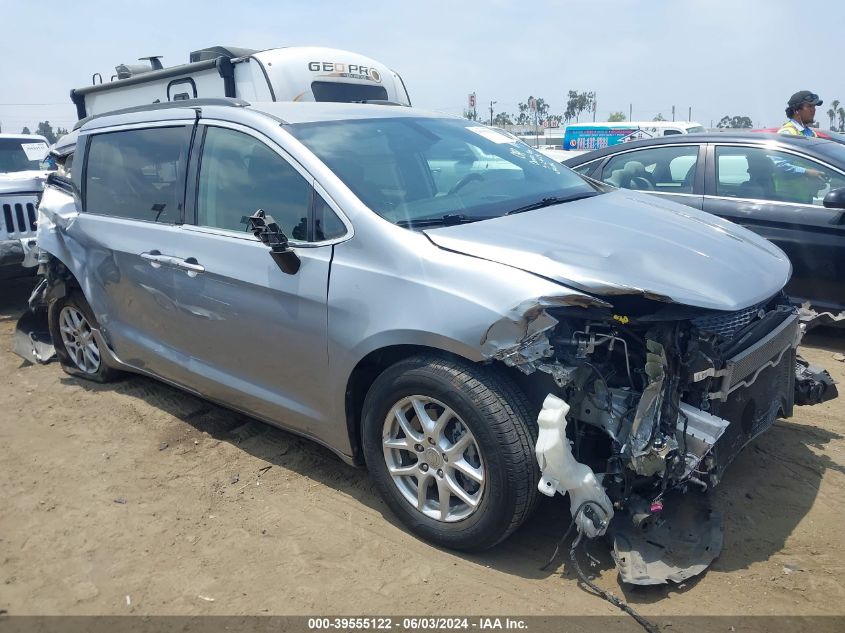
x,y
253,336
770,192
669,171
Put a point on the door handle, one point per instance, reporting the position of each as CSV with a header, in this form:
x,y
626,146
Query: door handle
x,y
157,260
191,266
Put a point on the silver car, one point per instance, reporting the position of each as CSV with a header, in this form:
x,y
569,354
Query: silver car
x,y
415,291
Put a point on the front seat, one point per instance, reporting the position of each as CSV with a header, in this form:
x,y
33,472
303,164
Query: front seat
x,y
760,184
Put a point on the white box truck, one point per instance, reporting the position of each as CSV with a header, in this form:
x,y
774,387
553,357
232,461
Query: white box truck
x,y
301,73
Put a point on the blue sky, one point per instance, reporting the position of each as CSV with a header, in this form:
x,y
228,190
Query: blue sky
x,y
721,57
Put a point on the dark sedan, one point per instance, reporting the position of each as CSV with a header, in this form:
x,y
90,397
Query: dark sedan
x,y
782,187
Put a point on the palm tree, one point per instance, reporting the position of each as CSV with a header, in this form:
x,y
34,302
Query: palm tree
x,y
841,113
832,114
834,105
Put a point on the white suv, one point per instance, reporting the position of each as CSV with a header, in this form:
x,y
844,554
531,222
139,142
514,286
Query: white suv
x,y
21,181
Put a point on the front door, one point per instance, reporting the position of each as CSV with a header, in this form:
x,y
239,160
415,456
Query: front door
x,y
134,183
669,171
253,336
779,196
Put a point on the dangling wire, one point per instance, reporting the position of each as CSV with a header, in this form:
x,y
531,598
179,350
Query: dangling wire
x,y
557,547
601,593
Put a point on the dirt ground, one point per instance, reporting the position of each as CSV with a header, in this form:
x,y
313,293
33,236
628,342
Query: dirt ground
x,y
135,498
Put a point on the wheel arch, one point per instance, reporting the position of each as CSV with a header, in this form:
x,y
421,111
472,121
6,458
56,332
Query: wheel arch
x,y
377,361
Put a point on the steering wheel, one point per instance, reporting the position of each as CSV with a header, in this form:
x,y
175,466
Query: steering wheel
x,y
641,184
465,181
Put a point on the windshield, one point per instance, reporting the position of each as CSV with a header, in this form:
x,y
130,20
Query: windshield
x,y
21,154
411,169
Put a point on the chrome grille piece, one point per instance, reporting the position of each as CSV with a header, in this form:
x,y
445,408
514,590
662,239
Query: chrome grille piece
x,y
18,217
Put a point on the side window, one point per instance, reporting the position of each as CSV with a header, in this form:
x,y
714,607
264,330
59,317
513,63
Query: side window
x,y
762,174
239,175
585,169
327,226
137,174
669,169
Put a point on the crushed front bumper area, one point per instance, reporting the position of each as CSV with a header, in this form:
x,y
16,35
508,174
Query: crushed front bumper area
x,y
660,400
32,340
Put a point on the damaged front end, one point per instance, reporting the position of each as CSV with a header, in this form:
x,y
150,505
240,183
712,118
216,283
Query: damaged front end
x,y
660,398
57,210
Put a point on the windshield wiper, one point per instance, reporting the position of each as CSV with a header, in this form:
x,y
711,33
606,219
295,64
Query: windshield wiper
x,y
450,219
552,200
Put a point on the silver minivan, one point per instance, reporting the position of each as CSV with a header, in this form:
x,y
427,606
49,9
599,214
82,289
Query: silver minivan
x,y
409,289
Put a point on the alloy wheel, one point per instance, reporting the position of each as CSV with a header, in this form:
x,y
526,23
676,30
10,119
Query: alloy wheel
x,y
433,458
78,340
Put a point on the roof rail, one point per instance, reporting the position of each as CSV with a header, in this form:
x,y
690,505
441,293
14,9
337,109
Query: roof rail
x,y
183,103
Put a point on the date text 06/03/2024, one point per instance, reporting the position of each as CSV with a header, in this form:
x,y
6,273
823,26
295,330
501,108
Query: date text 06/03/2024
x,y
416,624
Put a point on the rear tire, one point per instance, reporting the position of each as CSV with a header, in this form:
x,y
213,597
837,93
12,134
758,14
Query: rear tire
x,y
71,321
450,446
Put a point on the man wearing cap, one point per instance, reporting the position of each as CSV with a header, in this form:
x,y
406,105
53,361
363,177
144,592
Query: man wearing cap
x,y
801,110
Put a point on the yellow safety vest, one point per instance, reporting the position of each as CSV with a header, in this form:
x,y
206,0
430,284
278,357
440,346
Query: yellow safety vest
x,y
790,128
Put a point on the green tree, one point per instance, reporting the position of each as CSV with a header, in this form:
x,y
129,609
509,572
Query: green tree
x,y
616,117
472,115
526,114
659,117
841,114
46,130
25,130
502,119
735,122
578,102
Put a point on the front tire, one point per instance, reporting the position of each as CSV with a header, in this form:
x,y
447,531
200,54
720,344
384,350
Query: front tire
x,y
71,323
450,446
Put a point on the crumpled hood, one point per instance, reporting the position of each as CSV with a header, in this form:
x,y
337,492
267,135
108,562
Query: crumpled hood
x,y
624,243
22,181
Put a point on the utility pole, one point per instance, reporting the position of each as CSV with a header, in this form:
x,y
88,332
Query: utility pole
x,y
689,114
673,113
630,111
491,111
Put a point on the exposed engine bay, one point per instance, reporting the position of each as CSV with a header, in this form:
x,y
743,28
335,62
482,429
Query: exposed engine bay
x,y
656,399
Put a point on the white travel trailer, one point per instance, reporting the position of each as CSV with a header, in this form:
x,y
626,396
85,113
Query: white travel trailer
x,y
303,73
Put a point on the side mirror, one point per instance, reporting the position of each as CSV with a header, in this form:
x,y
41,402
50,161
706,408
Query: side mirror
x,y
835,199
264,227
